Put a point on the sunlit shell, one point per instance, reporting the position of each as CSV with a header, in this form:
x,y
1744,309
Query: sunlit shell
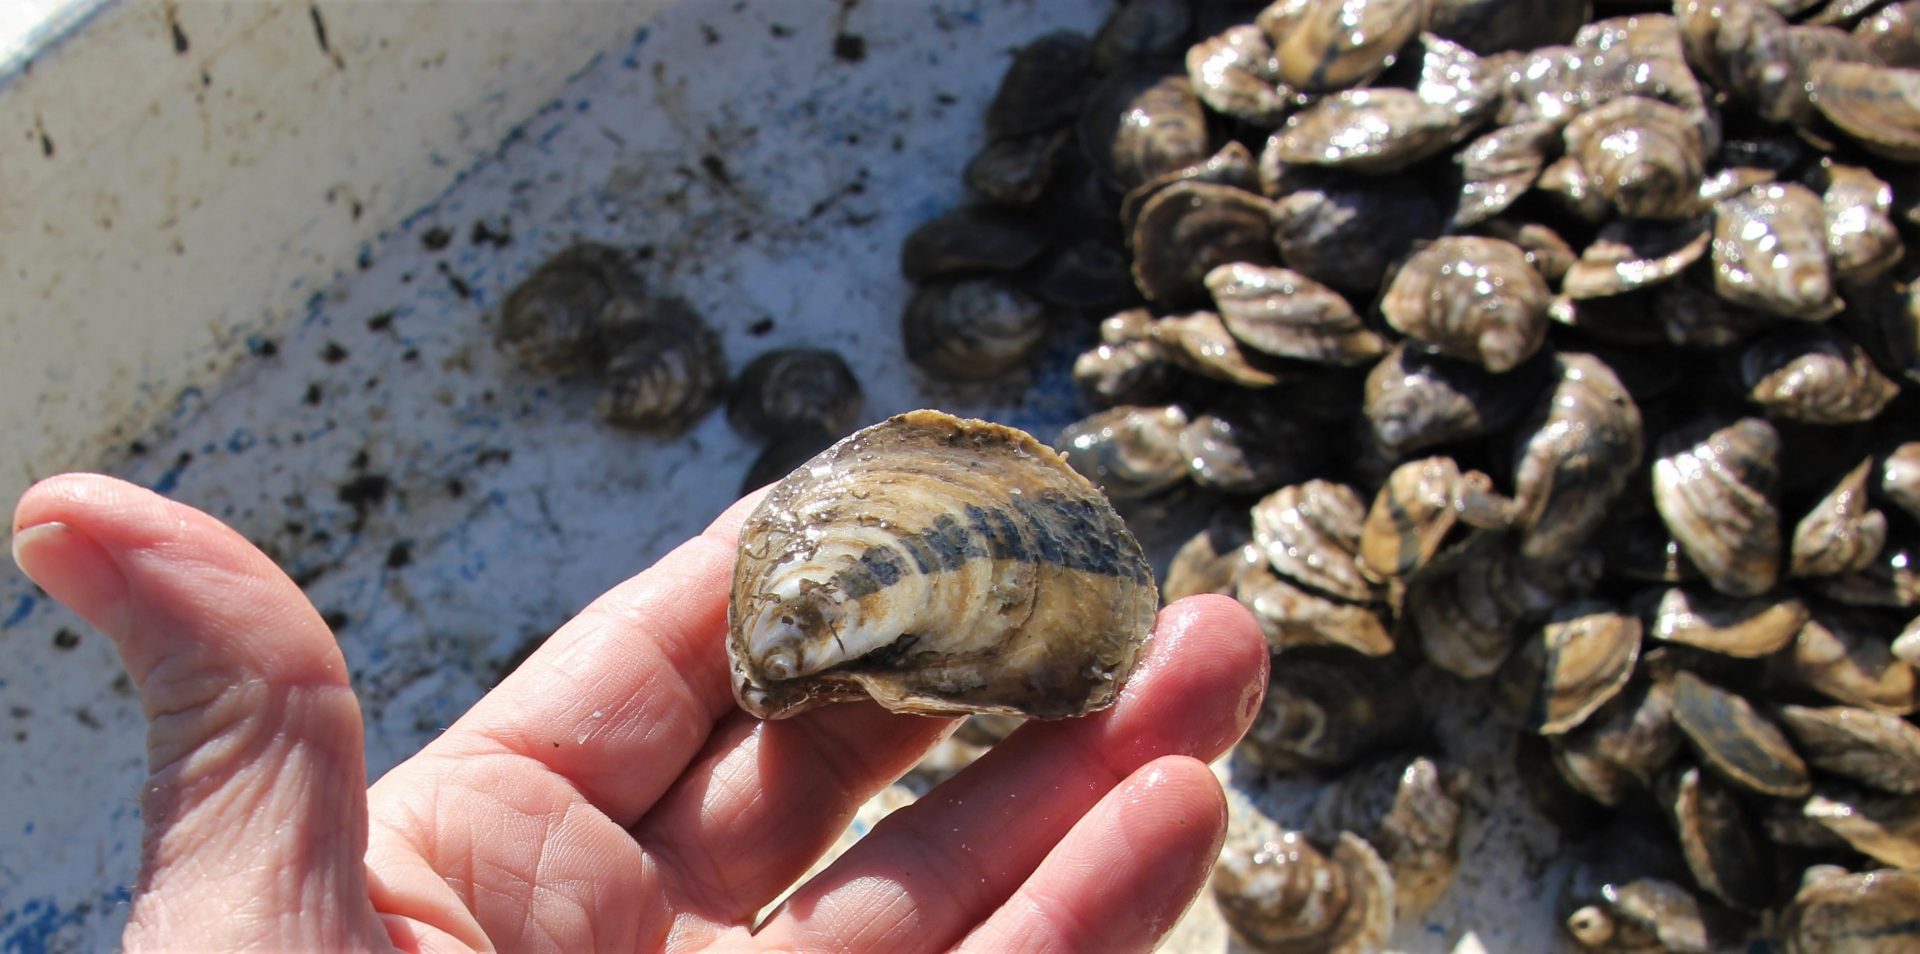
x,y
1232,166
1735,742
1845,657
1869,913
1584,442
1470,615
1417,511
1410,810
973,329
1873,748
1570,667
1246,445
1770,252
552,321
1890,580
1286,314
1879,106
1499,167
1471,298
1280,893
1645,914
939,566
1843,532
1209,562
1325,710
1622,746
1717,840
1200,343
1126,451
1366,131
1890,33
1883,827
1017,172
1189,228
1714,485
1291,617
1631,254
665,369
1814,374
1236,74
1862,240
1778,81
780,391
1138,124
1132,372
1644,157
1745,627
1416,400
1323,46
1310,533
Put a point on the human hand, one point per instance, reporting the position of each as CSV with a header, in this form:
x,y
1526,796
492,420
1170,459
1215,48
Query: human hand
x,y
608,794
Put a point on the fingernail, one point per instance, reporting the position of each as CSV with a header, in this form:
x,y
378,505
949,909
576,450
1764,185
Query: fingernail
x,y
76,571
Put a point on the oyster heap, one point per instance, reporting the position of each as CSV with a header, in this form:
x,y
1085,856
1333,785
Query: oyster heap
x,y
1572,359
940,566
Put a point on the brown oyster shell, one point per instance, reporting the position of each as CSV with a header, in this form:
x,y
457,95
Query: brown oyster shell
x,y
1873,748
939,566
1842,533
667,369
1280,893
1574,664
1190,227
1291,617
1814,374
1286,314
1885,828
1868,913
1743,627
1737,743
1878,106
1323,47
972,329
1645,914
1714,486
1842,655
1716,838
1368,131
1622,746
1410,810
1416,400
1310,533
794,388
1324,710
1644,157
1770,252
1127,452
1141,123
1584,442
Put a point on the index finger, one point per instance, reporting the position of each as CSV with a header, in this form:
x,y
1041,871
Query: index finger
x,y
624,695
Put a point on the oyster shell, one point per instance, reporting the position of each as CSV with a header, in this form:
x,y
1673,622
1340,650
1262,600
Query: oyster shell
x,y
1584,443
1286,314
1291,616
1209,562
1327,45
1842,533
1735,742
1280,893
1743,627
1889,33
1237,74
1326,709
1017,172
1572,666
1470,613
1645,914
1870,913
1416,400
1409,809
1476,299
1839,654
973,329
555,320
940,566
791,388
1141,30
1493,26
1632,254
666,369
1043,87
1714,485
1310,533
1623,744
1190,227
1878,106
1862,240
1499,167
1873,748
1347,232
1814,374
971,240
1644,157
1127,452
1249,446
1200,343
1369,131
1884,828
1770,252
1141,123
1416,512
1717,840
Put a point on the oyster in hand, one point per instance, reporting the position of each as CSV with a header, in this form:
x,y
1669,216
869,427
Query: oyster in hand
x,y
940,566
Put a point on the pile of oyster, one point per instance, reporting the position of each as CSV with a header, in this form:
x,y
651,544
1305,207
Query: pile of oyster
x,y
587,310
1557,358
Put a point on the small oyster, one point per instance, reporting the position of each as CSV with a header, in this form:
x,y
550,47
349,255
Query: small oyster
x,y
1493,26
1572,666
1714,485
973,329
1368,131
1286,314
1584,443
1310,533
780,391
1416,400
1291,616
1884,828
1280,893
1347,232
1716,838
1644,157
1200,343
1736,742
1770,252
1408,809
1471,298
1127,452
1873,748
1842,533
971,241
1043,87
1861,237
940,566
1814,374
1190,227
1870,913
1499,167
1879,106
1236,74
1244,445
554,320
1416,512
1743,627
1842,655
1645,914
1141,123
1209,562
1326,45
1631,254
666,370
1326,709
1141,30
1622,745
1470,613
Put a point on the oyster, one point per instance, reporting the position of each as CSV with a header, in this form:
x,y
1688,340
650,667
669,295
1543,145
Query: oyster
x,y
1622,745
1347,232
1870,913
1236,74
1017,172
555,320
1717,840
1884,828
971,241
1573,665
1584,443
1471,298
1770,252
1644,157
973,329
666,369
1735,742
1249,446
1862,240
1873,748
1127,452
1889,33
1280,893
1416,512
1209,562
1310,533
1138,124
1878,106
1286,314
1714,486
1410,811
1499,167
1141,30
1190,227
1470,613
1891,580
1291,616
1744,627
1493,26
1324,709
1327,45
1840,655
1043,87
1630,254
1645,914
1814,374
780,391
940,566
1232,166
1200,343
1842,533
1368,131
1417,400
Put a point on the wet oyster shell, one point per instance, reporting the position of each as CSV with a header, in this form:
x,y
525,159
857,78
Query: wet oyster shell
x,y
1714,486
1862,240
666,370
1310,533
1873,748
940,566
1291,616
1416,400
1493,26
1209,562
1127,452
1200,343
1743,627
1814,374
1476,299
1770,252
1326,709
1369,131
1323,47
1645,914
1889,33
780,391
1842,533
1717,840
1584,443
1236,74
1470,613
1622,745
1286,314
1884,828
1245,445
1138,124
974,329
971,241
1279,893
1842,655
1188,229
1870,913
1347,232
1410,811
1043,87
1499,167
1141,30
1738,744
1644,157
1632,254
1878,106
1417,511
554,321
1569,668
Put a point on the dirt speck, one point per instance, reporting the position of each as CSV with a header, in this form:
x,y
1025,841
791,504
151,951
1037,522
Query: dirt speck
x,y
64,638
849,47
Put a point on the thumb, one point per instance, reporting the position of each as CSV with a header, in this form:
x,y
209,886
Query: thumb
x,y
255,806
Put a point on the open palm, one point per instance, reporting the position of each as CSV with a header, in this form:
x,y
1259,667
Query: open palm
x,y
608,795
